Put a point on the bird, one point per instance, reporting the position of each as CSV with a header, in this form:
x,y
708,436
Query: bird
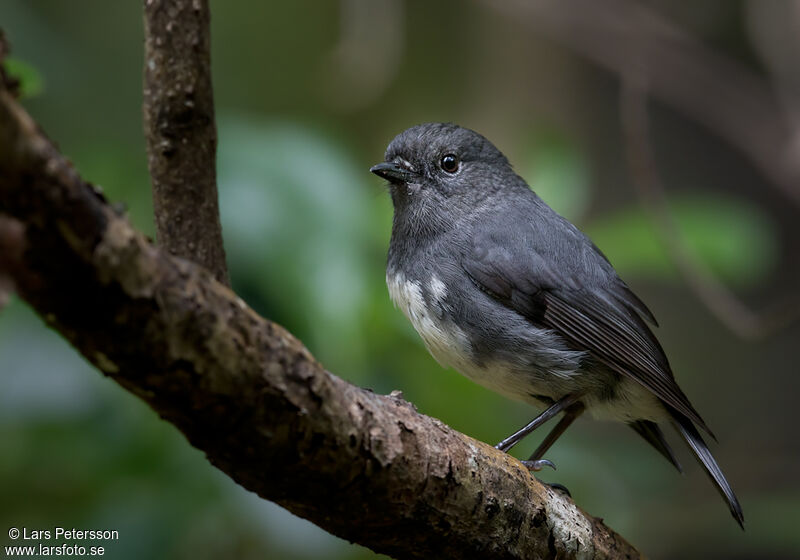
x,y
509,293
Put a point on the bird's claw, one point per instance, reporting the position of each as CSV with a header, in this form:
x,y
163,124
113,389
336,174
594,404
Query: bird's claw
x,y
558,487
538,465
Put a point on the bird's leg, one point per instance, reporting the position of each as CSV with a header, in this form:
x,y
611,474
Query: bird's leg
x,y
550,412
535,461
570,415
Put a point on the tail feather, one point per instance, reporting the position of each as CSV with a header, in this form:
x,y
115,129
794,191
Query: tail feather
x,y
701,451
655,437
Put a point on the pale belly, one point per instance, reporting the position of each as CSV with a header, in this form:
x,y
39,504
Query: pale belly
x,y
553,376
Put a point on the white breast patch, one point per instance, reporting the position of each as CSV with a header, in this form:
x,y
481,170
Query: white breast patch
x,y
554,372
448,343
445,341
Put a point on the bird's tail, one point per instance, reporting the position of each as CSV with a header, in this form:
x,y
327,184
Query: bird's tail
x,y
701,451
655,437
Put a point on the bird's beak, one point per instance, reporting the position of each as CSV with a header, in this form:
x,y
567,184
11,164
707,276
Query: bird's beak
x,y
394,173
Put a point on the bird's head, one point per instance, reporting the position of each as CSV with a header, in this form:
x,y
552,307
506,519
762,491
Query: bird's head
x,y
439,173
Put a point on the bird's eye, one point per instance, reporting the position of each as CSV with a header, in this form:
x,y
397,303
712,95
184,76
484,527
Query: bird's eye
x,y
450,163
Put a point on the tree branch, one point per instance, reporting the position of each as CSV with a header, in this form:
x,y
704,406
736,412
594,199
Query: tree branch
x,y
181,133
363,466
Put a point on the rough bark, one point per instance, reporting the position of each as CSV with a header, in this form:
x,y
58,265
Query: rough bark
x,y
181,133
363,466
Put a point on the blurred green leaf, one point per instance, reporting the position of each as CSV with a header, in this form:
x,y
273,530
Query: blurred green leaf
x,y
31,81
556,169
121,172
300,223
735,240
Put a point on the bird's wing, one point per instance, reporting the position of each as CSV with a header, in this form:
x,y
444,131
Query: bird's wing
x,y
568,286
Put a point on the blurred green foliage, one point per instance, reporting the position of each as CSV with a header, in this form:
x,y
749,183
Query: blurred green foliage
x,y
732,238
306,229
31,82
560,172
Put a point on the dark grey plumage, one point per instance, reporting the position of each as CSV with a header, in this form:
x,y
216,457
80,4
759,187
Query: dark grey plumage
x,y
515,297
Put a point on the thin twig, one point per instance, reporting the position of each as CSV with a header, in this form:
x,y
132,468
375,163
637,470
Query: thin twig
x,y
715,295
729,99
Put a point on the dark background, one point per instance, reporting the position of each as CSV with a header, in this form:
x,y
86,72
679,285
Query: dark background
x,y
308,94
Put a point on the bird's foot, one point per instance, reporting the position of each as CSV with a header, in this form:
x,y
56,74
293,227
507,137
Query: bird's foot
x,y
557,487
538,464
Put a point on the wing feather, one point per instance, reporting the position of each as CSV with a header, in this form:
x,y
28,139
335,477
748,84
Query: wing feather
x,y
612,341
581,298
